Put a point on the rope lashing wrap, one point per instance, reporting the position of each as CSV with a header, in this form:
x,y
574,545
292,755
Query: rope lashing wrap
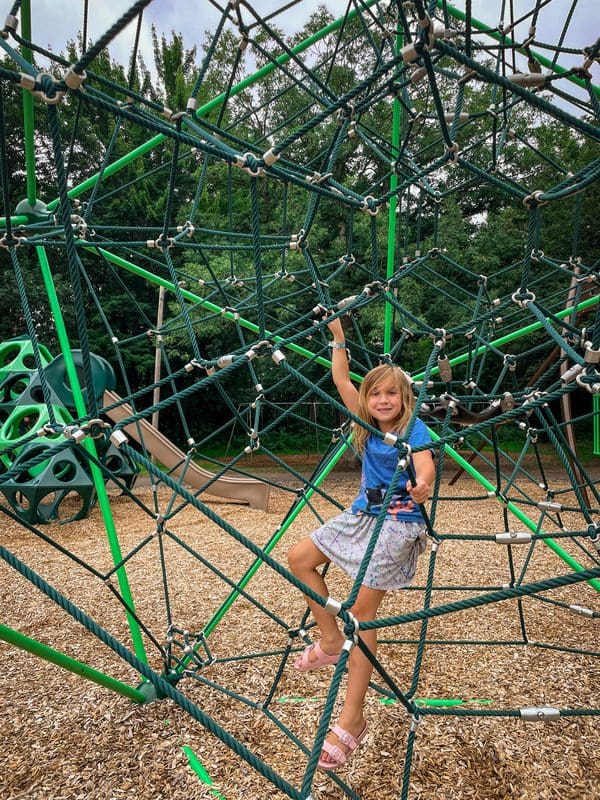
x,y
250,164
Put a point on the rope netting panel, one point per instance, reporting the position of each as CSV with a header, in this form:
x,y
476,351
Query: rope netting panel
x,y
362,167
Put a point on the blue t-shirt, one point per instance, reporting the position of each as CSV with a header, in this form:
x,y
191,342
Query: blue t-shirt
x,y
378,467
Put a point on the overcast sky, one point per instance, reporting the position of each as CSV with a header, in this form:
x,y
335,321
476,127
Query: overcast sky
x,y
55,22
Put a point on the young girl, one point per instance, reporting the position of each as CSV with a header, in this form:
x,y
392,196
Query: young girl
x,y
385,401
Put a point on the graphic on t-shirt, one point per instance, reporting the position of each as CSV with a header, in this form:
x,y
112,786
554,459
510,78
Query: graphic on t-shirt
x,y
401,501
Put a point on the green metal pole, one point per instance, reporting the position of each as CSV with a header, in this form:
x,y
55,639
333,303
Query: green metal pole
x,y
481,26
198,768
20,219
516,511
90,446
596,408
214,103
393,209
66,662
218,615
510,337
28,114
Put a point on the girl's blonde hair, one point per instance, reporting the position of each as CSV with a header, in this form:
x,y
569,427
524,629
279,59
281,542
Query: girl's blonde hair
x,y
376,377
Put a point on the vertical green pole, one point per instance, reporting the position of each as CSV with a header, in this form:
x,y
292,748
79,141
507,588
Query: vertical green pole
x,y
30,166
393,208
28,116
90,446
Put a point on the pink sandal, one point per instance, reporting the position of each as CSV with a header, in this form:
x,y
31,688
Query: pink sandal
x,y
337,755
322,659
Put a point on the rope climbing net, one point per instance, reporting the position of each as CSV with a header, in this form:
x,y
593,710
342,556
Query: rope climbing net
x,y
361,170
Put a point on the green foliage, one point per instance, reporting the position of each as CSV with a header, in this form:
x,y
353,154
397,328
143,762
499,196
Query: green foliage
x,y
473,232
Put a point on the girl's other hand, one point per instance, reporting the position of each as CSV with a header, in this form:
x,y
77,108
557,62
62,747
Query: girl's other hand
x,y
420,491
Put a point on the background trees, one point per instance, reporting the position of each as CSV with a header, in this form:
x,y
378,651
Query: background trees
x,y
473,229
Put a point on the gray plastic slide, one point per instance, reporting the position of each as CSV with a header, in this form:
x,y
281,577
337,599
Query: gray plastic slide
x,y
247,490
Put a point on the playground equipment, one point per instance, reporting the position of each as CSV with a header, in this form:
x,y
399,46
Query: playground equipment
x,y
389,149
179,467
39,493
50,482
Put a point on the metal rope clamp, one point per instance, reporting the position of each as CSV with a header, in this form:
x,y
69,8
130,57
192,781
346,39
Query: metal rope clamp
x,y
453,152
537,255
250,164
345,112
534,199
591,356
369,205
440,335
523,298
48,429
373,288
541,714
411,52
259,350
270,157
513,537
118,438
79,225
74,79
187,228
47,91
226,360
589,381
14,242
351,631
444,368
318,178
95,428
74,432
11,24
161,243
298,241
415,722
254,441
403,453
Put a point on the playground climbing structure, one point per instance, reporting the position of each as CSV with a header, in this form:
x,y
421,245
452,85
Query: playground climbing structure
x,y
506,351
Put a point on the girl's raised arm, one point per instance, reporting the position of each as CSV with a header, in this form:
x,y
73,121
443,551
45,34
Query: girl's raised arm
x,y
340,368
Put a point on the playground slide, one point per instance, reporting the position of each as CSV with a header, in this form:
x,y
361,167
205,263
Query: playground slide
x,y
247,490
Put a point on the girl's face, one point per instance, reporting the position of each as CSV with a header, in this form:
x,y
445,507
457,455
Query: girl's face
x,y
384,402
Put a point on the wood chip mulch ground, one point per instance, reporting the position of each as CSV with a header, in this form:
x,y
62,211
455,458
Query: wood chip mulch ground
x,y
64,738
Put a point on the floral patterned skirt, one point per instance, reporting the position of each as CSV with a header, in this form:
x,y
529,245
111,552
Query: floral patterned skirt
x,y
345,538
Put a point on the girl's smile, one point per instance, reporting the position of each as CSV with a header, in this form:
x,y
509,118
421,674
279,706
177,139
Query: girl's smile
x,y
385,405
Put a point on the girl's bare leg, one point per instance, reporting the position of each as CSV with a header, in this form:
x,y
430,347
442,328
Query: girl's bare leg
x,y
360,668
304,559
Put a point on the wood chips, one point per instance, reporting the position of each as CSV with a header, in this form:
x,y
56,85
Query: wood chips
x,y
65,738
